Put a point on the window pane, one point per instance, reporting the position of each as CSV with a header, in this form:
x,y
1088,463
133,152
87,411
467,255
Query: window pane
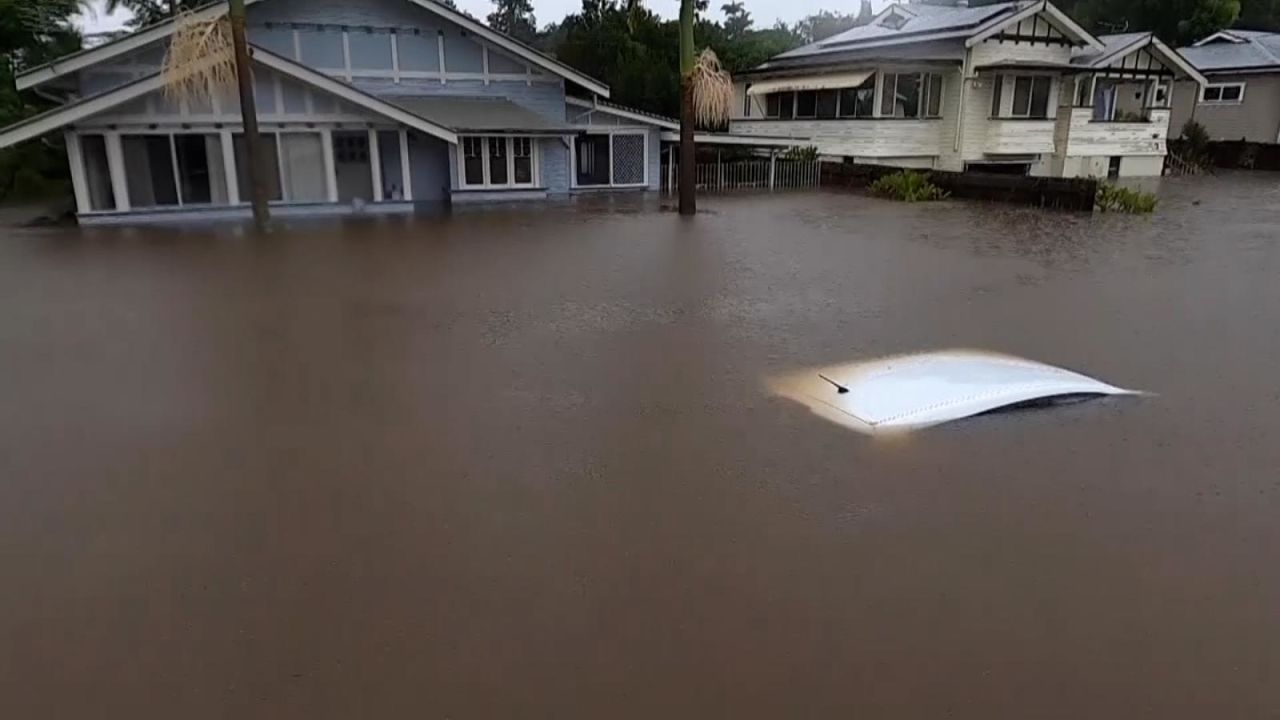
x,y
1231,92
886,94
1212,92
785,105
148,166
806,103
522,159
1083,97
935,95
268,146
827,103
497,161
473,161
97,175
907,103
303,159
771,103
1021,96
1040,97
997,88
196,153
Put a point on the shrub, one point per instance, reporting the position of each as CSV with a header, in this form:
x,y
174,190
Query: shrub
x,y
1196,137
809,152
907,185
1113,198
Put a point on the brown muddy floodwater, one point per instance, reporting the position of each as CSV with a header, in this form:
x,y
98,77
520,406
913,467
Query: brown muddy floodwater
x,y
522,463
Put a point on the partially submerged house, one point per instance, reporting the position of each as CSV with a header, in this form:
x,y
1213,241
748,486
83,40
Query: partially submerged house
x,y
366,105
1013,87
1242,98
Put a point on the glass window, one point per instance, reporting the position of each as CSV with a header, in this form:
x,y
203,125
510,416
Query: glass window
x,y
746,100
1040,96
1160,94
827,100
901,95
497,161
997,90
270,152
522,160
1031,96
1084,91
786,105
472,161
302,161
1232,93
97,174
148,166
934,107
859,101
1021,96
200,171
771,103
806,104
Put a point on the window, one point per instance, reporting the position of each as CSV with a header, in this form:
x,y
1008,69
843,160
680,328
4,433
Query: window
x,y
302,166
267,142
806,104
860,101
1222,94
472,161
149,170
497,162
786,105
616,159
202,179
1160,94
772,102
933,93
900,95
97,174
1084,91
827,100
746,100
522,160
1030,96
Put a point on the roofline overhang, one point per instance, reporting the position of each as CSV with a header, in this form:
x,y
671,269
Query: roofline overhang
x,y
92,56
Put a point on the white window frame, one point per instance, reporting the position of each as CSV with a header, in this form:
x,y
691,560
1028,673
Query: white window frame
x,y
171,134
573,158
1008,87
882,77
1220,87
511,183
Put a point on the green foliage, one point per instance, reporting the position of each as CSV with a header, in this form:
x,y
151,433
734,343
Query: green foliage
x,y
808,152
908,186
1113,198
1177,22
1196,137
31,33
515,18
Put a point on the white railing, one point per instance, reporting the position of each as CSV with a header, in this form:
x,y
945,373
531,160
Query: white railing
x,y
747,175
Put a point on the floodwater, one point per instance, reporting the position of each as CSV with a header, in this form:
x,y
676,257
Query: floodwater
x,y
524,463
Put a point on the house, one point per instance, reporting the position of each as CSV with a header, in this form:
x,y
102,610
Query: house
x,y
1011,87
1242,99
365,106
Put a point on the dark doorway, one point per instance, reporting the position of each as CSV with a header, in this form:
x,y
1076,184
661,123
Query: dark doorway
x,y
592,159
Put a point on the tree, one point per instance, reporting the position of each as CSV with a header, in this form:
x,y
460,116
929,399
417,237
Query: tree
x,y
737,21
705,92
149,12
32,33
823,25
211,56
515,18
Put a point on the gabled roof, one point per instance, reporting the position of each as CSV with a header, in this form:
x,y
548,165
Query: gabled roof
x,y
1116,47
647,118
1235,50
481,115
79,110
152,33
933,25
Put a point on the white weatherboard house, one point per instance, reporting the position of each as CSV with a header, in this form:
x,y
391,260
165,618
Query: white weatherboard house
x,y
365,105
1014,87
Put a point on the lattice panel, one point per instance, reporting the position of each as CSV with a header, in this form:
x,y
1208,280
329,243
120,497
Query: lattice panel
x,y
628,159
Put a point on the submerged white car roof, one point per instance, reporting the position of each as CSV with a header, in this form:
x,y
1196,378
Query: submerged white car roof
x,y
914,391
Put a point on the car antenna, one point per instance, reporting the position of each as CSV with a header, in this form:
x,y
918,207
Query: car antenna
x,y
840,389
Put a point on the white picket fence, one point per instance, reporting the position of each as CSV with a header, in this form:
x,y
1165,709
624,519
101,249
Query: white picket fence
x,y
763,174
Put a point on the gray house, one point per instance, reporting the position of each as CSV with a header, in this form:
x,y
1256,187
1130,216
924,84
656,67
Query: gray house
x,y
1242,99
366,106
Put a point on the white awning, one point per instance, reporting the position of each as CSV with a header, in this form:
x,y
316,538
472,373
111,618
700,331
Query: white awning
x,y
810,82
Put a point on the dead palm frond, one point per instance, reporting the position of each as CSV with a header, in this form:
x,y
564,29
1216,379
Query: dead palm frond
x,y
199,61
712,90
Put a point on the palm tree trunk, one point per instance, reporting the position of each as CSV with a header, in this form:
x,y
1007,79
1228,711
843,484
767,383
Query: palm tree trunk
x,y
688,205
252,141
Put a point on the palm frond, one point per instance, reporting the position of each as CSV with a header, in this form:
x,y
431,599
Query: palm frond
x,y
712,90
199,62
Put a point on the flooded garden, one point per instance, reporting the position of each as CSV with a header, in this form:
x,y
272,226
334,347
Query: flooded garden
x,y
526,462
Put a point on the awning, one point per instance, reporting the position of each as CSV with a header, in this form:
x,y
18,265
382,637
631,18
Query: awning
x,y
810,82
491,116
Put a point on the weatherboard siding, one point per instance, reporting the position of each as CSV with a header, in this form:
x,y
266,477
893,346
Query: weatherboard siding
x,y
1088,138
1257,119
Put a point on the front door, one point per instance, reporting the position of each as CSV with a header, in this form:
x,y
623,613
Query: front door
x,y
352,166
591,159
